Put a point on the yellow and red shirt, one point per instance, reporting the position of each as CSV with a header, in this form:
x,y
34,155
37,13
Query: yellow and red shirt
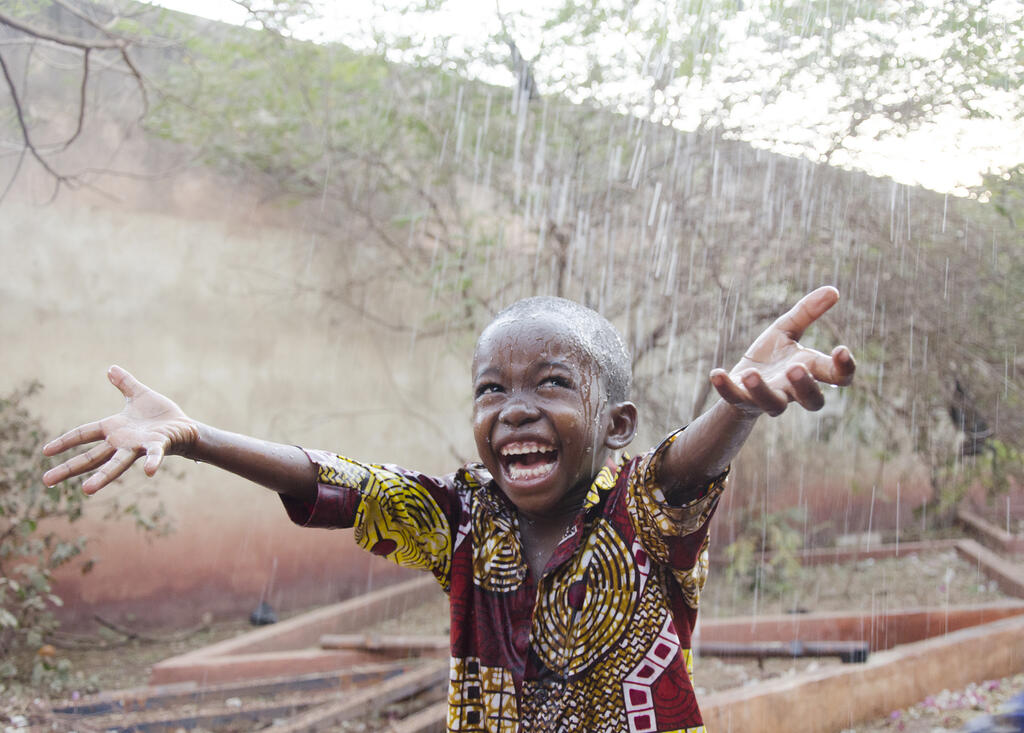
x,y
600,643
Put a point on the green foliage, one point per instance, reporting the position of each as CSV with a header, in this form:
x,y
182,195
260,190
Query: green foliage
x,y
890,67
1005,191
998,468
36,539
29,552
765,554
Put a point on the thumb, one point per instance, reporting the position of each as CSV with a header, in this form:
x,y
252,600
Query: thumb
x,y
130,386
154,457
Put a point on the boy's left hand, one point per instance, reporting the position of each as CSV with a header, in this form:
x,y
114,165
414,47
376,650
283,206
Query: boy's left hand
x,y
777,370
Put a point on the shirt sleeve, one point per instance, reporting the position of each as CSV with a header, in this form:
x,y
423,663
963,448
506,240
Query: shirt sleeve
x,y
674,535
403,516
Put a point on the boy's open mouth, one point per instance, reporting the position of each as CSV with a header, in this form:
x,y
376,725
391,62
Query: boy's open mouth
x,y
528,460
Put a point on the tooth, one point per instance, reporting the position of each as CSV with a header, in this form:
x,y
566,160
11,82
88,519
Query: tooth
x,y
517,472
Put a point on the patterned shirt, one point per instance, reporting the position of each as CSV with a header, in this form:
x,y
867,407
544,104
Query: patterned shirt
x,y
600,643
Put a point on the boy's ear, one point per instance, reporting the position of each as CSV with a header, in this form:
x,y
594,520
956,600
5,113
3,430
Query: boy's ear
x,y
623,417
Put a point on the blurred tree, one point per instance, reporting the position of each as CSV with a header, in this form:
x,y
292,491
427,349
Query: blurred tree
x,y
858,71
72,47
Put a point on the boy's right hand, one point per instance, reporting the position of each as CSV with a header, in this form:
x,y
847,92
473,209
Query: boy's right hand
x,y
150,425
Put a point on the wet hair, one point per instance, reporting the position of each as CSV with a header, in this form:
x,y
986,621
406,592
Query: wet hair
x,y
594,332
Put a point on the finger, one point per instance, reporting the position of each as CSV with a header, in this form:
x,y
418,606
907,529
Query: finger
x,y
837,368
154,457
87,433
807,310
772,401
130,386
109,471
79,464
728,389
804,388
844,365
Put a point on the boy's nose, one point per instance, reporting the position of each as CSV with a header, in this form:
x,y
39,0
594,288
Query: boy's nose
x,y
518,411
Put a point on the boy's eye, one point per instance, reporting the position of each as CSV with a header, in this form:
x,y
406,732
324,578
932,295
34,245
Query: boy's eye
x,y
557,381
487,388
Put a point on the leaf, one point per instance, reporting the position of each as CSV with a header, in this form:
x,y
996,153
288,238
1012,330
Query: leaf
x,y
8,619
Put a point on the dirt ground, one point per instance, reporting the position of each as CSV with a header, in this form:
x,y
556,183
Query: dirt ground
x,y
937,579
941,578
948,710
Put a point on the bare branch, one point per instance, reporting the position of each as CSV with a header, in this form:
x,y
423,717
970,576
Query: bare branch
x,y
24,128
138,80
63,40
81,101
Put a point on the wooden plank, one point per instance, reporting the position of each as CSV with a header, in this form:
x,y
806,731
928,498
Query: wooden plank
x,y
847,651
161,696
304,630
324,717
388,643
221,714
433,719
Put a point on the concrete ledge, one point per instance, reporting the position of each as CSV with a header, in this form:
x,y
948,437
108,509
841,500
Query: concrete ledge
x,y
989,534
290,647
842,555
163,696
836,698
881,629
1009,576
235,667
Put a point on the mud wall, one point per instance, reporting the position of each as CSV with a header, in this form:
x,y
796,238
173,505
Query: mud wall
x,y
191,285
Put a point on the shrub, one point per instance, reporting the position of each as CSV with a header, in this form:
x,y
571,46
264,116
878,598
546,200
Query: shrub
x,y
35,540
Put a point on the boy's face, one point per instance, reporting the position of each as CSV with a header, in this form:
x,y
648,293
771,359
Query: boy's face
x,y
541,417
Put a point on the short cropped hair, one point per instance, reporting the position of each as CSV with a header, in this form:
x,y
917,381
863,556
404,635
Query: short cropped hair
x,y
595,333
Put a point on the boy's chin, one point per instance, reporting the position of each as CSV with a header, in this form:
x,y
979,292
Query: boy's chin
x,y
541,502
530,497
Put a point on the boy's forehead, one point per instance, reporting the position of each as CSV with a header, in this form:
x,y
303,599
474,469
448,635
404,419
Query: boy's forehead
x,y
507,339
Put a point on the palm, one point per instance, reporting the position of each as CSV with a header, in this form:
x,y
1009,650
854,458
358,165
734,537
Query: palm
x,y
150,424
777,369
771,354
149,418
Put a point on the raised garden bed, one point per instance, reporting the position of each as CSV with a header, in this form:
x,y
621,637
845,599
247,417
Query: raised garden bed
x,y
968,626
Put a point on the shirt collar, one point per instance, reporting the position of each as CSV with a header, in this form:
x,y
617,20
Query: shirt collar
x,y
603,483
600,487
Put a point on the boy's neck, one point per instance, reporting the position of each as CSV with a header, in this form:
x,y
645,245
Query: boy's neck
x,y
540,536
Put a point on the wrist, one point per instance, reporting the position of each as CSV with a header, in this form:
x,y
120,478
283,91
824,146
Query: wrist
x,y
195,440
739,414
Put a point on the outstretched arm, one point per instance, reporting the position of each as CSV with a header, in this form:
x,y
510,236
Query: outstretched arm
x,y
774,371
153,426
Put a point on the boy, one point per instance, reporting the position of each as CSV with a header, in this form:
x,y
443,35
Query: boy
x,y
573,578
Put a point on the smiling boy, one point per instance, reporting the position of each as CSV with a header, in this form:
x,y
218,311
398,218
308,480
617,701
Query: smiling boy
x,y
574,574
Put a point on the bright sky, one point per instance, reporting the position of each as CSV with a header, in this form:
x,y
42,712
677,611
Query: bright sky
x,y
947,156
